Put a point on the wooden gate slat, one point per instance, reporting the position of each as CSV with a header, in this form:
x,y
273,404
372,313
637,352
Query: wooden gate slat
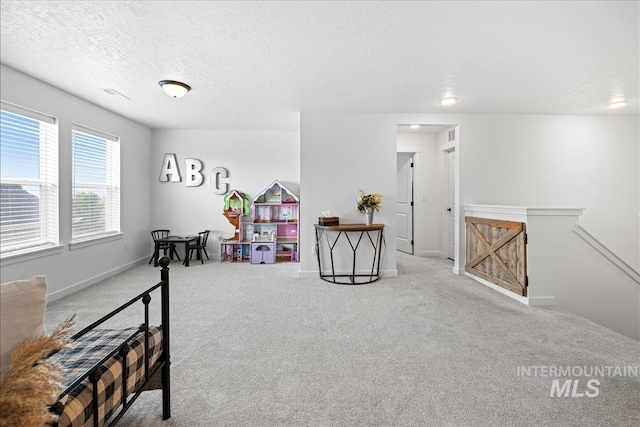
x,y
507,268
498,244
493,255
494,222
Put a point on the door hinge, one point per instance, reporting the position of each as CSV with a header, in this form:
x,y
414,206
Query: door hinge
x,y
526,238
411,164
412,203
412,242
526,280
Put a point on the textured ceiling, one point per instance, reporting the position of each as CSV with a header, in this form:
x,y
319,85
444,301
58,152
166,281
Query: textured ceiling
x,y
255,65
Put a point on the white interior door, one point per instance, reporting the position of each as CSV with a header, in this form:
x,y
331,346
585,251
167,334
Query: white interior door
x,y
404,202
450,204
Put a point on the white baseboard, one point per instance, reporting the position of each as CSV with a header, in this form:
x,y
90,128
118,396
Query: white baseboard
x,y
519,298
542,301
92,281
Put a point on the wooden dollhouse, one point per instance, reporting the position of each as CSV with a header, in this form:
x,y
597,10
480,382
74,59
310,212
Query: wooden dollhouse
x,y
271,234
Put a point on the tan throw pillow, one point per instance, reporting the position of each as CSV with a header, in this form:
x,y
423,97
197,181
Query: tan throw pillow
x,y
22,307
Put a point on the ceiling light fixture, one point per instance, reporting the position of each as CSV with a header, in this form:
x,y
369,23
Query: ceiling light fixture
x,y
415,126
448,101
174,89
617,104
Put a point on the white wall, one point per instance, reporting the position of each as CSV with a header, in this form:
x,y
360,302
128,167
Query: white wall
x,y
71,270
339,155
572,161
428,190
254,159
566,268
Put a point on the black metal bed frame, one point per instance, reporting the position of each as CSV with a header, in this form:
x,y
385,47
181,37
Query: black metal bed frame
x,y
161,367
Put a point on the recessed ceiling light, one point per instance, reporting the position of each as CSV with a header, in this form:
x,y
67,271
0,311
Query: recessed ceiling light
x,y
617,104
448,101
174,89
415,126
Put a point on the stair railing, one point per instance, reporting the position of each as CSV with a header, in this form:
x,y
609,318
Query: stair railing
x,y
606,252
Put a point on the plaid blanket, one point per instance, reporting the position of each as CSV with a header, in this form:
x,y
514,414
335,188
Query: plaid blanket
x,y
90,349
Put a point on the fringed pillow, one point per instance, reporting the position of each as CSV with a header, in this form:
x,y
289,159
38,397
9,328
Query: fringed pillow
x,y
32,383
22,306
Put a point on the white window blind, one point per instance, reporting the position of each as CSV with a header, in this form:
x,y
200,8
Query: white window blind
x,y
96,184
29,180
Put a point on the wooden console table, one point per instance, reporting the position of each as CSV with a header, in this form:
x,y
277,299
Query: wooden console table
x,y
354,234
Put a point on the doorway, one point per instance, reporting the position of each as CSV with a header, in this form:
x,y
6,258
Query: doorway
x,y
429,147
404,203
449,249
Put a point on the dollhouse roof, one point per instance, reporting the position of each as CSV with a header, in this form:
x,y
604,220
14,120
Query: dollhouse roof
x,y
235,196
235,193
263,195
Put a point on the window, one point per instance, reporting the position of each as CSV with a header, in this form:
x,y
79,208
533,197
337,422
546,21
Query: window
x,y
96,184
28,180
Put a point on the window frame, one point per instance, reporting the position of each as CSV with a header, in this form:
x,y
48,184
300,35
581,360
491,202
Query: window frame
x,y
110,185
47,183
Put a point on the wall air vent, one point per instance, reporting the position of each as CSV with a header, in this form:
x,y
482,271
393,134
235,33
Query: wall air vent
x,y
452,135
114,92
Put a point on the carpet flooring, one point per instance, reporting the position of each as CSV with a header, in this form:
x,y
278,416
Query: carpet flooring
x,y
253,345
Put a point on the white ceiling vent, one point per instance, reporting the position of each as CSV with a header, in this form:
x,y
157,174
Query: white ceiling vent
x,y
114,93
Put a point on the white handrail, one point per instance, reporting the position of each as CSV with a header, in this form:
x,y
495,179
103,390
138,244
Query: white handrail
x,y
626,268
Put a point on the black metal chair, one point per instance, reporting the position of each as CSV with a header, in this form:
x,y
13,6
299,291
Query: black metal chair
x,y
201,246
161,234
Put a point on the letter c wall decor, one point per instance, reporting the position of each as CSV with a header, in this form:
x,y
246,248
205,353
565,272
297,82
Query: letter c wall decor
x,y
217,186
